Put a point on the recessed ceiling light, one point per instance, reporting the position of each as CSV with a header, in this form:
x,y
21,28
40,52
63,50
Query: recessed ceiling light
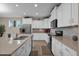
x,y
36,13
36,5
17,5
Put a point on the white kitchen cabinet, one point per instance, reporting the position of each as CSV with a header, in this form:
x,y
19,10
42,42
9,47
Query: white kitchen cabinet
x,y
24,50
66,51
74,20
51,18
54,46
59,16
59,49
53,14
27,21
46,23
67,14
64,15
41,23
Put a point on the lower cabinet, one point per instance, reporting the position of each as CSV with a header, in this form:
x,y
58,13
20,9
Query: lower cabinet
x,y
59,49
66,51
53,46
24,50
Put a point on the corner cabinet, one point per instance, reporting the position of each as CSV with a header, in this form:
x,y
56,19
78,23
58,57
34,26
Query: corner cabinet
x,y
67,14
59,49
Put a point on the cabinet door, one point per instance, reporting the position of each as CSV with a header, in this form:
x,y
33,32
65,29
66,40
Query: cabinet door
x,y
66,14
51,17
74,20
68,51
58,48
59,16
53,46
27,21
53,14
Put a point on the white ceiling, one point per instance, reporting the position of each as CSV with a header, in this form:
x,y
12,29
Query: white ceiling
x,y
26,9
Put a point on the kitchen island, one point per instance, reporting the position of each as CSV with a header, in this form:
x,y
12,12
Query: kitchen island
x,y
11,47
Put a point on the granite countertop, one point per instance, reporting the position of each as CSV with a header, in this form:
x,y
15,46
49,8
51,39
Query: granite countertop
x,y
9,46
67,41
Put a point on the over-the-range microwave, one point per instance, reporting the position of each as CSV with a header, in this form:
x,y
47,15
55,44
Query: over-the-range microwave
x,y
54,23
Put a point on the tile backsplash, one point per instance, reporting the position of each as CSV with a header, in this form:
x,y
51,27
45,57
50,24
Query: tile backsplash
x,y
68,31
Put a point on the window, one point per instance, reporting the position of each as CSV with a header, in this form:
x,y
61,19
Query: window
x,y
17,23
11,23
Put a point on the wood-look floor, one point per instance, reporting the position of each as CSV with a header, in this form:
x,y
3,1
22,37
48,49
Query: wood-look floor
x,y
40,48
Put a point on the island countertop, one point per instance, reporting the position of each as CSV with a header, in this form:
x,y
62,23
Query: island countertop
x,y
9,46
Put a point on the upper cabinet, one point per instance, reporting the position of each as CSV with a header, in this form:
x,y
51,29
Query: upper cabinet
x,y
64,15
59,16
74,19
41,23
67,14
53,14
27,21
